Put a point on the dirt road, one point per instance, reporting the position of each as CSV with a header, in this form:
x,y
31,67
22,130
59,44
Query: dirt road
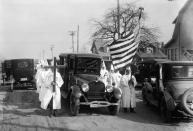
x,y
19,111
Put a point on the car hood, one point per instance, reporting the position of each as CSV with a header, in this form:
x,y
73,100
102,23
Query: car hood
x,y
177,88
87,78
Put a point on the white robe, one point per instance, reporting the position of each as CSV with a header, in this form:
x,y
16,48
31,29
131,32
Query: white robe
x,y
116,78
38,77
47,90
104,76
128,92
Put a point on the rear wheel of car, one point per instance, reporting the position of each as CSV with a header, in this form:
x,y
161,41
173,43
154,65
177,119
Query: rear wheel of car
x,y
165,113
74,105
187,101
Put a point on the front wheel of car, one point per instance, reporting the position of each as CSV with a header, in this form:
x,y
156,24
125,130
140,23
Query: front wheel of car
x,y
74,105
165,113
114,109
187,101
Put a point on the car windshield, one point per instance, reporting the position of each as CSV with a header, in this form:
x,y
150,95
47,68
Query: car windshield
x,y
23,64
180,71
88,65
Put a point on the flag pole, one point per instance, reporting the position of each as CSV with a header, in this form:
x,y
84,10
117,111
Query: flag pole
x,y
139,20
118,18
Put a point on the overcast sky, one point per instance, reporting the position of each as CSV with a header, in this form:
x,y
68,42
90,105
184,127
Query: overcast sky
x,y
27,27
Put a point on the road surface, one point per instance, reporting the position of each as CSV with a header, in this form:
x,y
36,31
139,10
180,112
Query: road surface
x,y
20,111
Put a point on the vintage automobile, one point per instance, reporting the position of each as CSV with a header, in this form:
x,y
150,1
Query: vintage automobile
x,y
20,72
82,85
168,85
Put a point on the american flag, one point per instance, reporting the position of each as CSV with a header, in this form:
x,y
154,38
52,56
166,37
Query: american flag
x,y
123,50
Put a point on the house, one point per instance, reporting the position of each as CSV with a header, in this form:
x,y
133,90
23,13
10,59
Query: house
x,y
180,47
100,47
150,51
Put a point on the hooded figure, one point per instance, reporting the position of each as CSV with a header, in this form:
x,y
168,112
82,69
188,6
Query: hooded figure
x,y
103,74
39,76
49,94
114,77
127,84
49,98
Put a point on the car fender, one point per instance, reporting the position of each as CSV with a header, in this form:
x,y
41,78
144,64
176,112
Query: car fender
x,y
117,93
76,92
169,101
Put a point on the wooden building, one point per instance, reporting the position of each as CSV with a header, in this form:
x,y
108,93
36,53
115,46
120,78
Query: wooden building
x,y
180,47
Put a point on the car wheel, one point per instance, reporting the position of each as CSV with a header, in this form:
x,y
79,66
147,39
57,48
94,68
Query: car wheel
x,y
187,101
74,105
114,110
165,113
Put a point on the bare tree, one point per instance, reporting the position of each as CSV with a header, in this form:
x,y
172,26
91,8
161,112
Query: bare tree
x,y
130,18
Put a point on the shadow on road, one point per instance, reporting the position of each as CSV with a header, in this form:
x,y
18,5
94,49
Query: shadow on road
x,y
6,126
149,114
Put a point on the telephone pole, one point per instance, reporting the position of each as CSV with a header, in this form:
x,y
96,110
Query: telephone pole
x,y
51,48
72,33
78,39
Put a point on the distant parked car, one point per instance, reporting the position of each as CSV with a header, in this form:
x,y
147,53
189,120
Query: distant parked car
x,y
82,85
21,72
168,85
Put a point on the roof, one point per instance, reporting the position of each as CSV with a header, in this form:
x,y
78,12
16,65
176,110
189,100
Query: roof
x,y
152,60
81,55
179,62
98,43
157,54
166,61
177,21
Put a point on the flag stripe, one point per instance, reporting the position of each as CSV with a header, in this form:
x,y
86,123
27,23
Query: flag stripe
x,y
122,59
122,51
121,43
124,63
127,46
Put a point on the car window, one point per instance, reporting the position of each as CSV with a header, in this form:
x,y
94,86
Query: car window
x,y
180,71
23,64
88,65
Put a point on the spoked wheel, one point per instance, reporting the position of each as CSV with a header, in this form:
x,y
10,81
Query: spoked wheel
x,y
187,101
165,113
74,105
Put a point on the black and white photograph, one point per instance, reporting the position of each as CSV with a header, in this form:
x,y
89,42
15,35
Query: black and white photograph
x,y
96,65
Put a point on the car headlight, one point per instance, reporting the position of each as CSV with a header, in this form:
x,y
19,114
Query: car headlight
x,y
109,88
85,87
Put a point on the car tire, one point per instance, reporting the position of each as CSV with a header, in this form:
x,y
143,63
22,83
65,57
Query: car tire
x,y
114,110
184,101
74,105
165,113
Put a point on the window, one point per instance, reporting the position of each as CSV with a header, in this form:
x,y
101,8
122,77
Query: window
x,y
175,54
169,53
